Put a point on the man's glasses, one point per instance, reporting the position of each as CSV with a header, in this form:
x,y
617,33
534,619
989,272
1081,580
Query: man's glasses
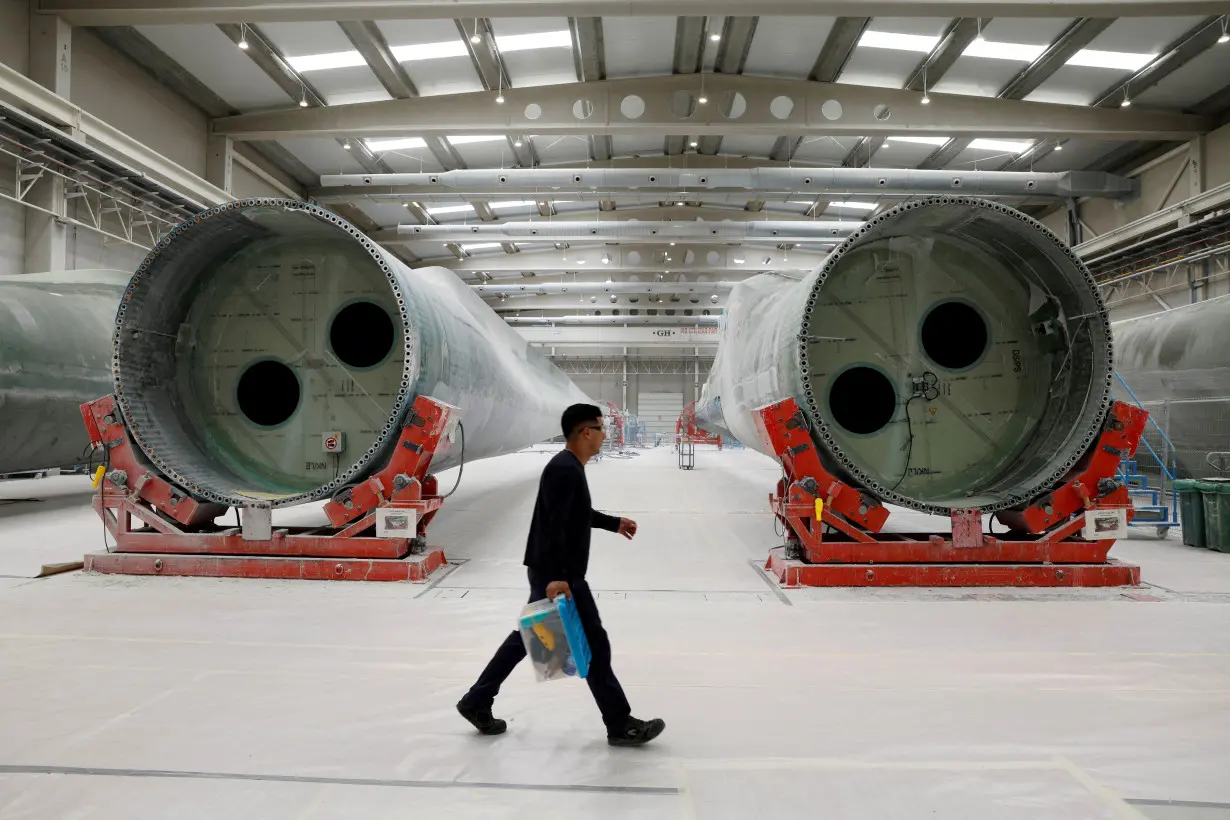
x,y
600,429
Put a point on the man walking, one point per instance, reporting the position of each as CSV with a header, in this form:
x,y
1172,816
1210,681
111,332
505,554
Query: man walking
x,y
557,556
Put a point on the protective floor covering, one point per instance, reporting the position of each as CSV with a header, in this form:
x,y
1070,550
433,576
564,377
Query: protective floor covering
x,y
200,698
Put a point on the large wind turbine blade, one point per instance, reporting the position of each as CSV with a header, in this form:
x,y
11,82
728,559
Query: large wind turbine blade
x,y
55,353
952,353
1177,364
258,327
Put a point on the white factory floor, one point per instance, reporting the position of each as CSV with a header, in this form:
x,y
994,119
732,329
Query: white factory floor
x,y
200,698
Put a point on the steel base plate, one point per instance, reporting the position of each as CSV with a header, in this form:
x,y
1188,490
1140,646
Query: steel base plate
x,y
413,568
792,573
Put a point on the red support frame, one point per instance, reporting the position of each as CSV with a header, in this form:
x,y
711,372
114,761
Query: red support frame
x,y
856,551
159,529
687,428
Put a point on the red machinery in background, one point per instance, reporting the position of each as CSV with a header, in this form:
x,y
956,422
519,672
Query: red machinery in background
x,y
687,429
835,532
614,426
377,529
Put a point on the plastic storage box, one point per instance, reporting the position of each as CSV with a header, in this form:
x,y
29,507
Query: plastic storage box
x,y
554,639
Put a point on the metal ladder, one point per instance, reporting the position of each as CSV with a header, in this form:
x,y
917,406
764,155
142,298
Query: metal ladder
x,y
1154,512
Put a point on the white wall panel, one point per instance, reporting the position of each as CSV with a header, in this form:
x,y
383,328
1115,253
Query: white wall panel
x,y
110,86
658,411
15,34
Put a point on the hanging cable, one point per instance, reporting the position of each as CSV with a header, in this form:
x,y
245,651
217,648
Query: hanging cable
x,y
461,431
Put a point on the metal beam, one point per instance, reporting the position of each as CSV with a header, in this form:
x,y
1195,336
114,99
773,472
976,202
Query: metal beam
x,y
689,58
489,65
736,42
589,59
1076,37
26,95
599,336
613,231
642,182
838,47
369,41
930,70
164,12
948,114
1182,50
271,61
947,51
1176,55
648,260
531,288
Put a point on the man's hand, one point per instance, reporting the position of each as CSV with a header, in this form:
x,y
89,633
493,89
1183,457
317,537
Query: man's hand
x,y
627,528
557,588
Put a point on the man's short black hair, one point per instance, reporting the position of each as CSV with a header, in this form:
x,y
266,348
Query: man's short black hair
x,y
577,415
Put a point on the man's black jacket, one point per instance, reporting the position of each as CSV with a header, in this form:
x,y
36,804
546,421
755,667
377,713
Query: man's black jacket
x,y
558,545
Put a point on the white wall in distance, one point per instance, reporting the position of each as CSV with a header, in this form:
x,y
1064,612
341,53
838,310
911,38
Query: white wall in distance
x,y
12,223
246,184
110,86
90,250
15,34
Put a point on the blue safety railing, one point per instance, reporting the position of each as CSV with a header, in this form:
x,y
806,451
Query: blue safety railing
x,y
1155,514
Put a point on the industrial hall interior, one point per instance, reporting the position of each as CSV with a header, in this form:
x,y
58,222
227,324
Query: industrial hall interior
x,y
663,409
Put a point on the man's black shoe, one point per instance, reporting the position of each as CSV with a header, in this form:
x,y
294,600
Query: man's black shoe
x,y
482,720
637,732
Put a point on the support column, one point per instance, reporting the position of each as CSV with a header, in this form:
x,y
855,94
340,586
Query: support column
x,y
1074,224
51,47
220,162
696,374
624,384
1195,167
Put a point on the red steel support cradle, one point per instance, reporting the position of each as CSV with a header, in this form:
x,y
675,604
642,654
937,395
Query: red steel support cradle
x,y
688,429
176,534
1045,547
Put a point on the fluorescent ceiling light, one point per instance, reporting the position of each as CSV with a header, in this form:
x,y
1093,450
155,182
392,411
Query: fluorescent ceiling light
x,y
478,246
1019,52
472,138
859,206
1124,60
898,42
450,209
517,203
922,140
395,143
320,62
1014,146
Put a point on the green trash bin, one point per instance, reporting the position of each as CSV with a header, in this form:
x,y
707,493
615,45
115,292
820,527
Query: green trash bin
x,y
1191,511
1216,492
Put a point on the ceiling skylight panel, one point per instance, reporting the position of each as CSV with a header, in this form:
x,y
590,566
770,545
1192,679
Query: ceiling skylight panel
x,y
449,209
921,43
321,62
1122,60
1013,146
922,140
395,143
1019,52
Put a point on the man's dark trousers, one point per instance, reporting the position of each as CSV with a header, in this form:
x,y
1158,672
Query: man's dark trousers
x,y
602,681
